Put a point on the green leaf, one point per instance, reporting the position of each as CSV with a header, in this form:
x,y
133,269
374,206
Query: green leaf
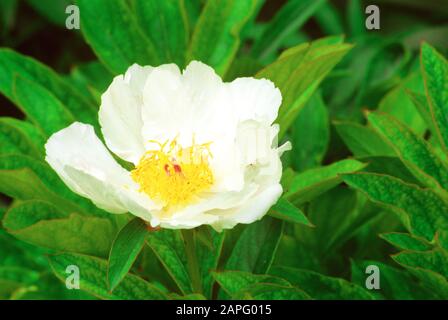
x,y
13,65
166,24
391,166
287,20
395,284
406,241
416,153
43,224
298,73
233,282
435,260
361,140
125,249
216,37
337,215
25,178
285,210
435,75
421,104
424,211
115,36
53,10
8,9
92,78
310,132
329,19
41,106
30,134
255,249
270,291
319,286
309,184
356,18
398,104
430,267
93,274
208,257
14,141
169,248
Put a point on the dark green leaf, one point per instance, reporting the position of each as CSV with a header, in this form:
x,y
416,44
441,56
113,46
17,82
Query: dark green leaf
x,y
93,274
256,247
169,248
125,248
319,286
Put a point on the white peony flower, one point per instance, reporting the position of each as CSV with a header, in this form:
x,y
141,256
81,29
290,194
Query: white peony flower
x,y
204,150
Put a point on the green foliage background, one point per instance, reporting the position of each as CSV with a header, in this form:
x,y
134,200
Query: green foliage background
x,y
365,184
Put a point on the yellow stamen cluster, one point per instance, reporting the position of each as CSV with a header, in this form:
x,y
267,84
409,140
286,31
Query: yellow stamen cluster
x,y
174,175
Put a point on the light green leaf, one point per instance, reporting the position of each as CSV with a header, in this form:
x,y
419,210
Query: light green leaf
x,y
292,15
255,249
169,248
13,64
114,34
416,153
41,106
216,37
31,134
93,279
166,24
285,210
43,224
424,212
25,178
319,286
435,74
125,249
14,140
298,73
398,104
430,267
309,184
406,241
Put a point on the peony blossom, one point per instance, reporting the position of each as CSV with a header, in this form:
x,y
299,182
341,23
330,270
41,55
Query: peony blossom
x,y
203,151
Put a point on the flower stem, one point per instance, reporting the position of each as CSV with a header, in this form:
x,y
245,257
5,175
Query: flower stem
x,y
192,261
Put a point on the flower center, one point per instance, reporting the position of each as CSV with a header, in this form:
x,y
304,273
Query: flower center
x,y
174,175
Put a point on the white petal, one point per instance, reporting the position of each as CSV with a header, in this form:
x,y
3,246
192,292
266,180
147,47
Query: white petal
x,y
197,214
256,99
85,165
120,114
254,209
